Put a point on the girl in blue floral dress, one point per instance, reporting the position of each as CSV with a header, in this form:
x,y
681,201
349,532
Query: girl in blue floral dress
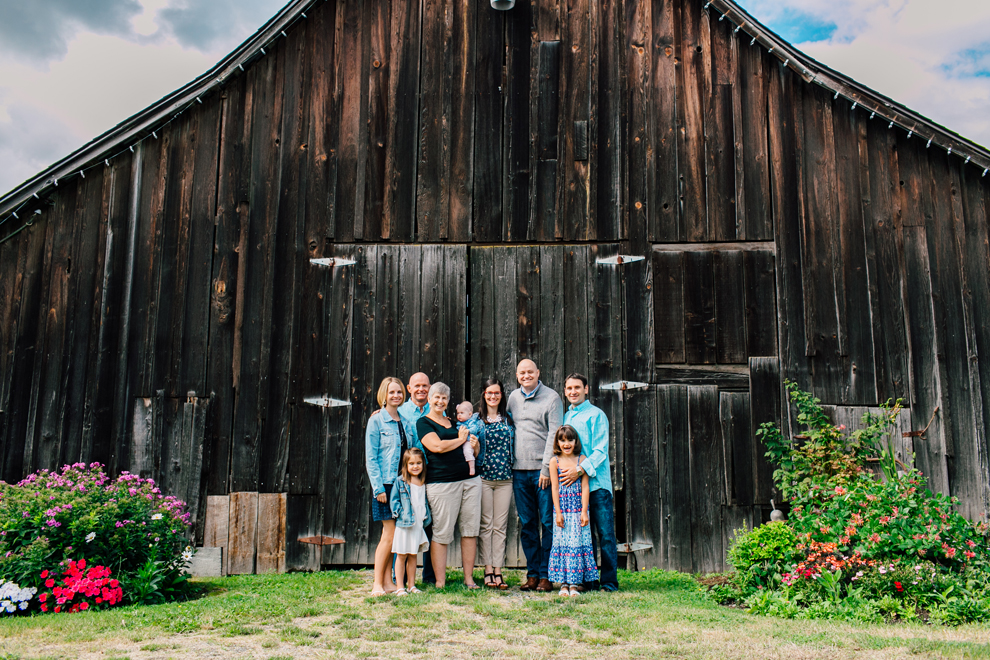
x,y
572,559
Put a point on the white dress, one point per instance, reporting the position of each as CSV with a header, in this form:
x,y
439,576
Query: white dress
x,y
412,540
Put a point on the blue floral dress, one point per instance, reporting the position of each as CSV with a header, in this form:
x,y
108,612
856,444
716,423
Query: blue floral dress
x,y
572,559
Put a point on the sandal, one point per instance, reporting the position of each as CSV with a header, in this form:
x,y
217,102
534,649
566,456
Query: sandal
x,y
413,590
400,592
375,593
499,583
490,581
564,591
471,587
574,591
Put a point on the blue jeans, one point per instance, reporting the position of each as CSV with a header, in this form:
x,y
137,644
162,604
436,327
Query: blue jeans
x,y
535,508
602,512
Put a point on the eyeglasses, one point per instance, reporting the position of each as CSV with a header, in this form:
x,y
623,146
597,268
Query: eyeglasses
x,y
488,394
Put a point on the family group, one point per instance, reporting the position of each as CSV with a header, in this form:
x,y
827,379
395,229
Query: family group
x,y
430,473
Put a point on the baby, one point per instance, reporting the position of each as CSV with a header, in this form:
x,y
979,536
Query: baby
x,y
466,417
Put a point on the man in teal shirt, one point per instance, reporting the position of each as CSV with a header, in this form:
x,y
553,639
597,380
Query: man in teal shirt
x,y
416,405
591,425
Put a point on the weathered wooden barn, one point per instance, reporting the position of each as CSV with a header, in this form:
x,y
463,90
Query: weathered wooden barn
x,y
662,194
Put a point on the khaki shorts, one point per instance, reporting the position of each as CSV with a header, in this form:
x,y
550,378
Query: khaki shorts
x,y
453,502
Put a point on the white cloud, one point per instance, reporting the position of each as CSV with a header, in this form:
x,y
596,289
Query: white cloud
x,y
930,55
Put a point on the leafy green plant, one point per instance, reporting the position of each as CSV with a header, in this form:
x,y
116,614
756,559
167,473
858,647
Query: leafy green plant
x,y
78,512
763,552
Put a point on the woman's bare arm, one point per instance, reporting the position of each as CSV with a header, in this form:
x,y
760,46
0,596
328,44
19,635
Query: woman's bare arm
x,y
433,443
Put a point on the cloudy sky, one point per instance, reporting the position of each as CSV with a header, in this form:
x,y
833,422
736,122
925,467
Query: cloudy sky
x,y
71,69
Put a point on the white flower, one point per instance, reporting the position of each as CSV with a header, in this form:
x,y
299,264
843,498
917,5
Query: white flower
x,y
157,516
23,605
187,553
90,536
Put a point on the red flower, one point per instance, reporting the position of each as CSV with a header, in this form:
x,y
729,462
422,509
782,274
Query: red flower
x,y
899,587
44,573
84,606
57,609
43,597
114,583
44,608
49,583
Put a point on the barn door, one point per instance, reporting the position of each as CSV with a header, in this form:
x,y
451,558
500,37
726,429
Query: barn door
x,y
397,310
559,306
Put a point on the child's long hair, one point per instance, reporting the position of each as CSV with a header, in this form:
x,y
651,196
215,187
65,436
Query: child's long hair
x,y
568,432
403,465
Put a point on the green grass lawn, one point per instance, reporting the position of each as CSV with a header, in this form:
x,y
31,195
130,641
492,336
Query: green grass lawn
x,y
656,615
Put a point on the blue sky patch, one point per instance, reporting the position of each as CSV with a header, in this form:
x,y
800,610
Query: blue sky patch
x,y
971,62
799,27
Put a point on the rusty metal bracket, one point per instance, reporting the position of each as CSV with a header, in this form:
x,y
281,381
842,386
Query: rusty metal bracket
x,y
624,385
626,548
619,259
321,540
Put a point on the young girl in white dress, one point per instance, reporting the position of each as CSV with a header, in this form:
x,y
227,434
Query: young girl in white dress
x,y
412,513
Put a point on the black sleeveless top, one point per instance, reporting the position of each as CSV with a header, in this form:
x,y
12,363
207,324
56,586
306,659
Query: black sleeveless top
x,y
446,467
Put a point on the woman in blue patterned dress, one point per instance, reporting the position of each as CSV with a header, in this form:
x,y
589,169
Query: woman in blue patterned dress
x,y
496,480
572,559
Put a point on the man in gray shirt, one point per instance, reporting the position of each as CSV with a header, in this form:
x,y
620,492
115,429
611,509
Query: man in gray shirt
x,y
536,412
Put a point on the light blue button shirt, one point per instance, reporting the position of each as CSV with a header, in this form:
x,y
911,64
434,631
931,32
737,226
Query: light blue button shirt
x,y
591,425
411,412
382,448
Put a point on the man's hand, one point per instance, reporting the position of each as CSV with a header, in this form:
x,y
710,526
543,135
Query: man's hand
x,y
560,519
382,497
569,475
544,482
584,518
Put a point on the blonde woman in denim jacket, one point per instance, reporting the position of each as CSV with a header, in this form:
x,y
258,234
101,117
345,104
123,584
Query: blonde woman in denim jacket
x,y
383,441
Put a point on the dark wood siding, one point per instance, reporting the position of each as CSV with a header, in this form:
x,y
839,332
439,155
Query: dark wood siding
x,y
163,315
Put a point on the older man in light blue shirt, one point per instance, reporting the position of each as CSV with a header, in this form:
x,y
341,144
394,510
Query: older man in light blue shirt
x,y
591,425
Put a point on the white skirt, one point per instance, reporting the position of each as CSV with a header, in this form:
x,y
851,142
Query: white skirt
x,y
412,540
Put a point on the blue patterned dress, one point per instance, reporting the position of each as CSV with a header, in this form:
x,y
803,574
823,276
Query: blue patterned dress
x,y
572,559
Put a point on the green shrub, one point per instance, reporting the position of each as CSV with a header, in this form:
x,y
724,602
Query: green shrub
x,y
762,552
123,524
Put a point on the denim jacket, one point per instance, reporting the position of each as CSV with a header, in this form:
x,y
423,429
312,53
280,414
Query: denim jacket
x,y
382,446
476,428
402,508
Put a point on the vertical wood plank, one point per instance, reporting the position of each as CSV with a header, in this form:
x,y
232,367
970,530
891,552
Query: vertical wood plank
x,y
271,533
760,270
886,260
673,434
766,401
926,376
487,180
433,170
720,164
739,448
707,478
665,220
379,69
256,278
606,122
752,134
699,308
242,533
547,222
576,109
730,300
784,121
642,479
693,90
216,534
553,317
229,271
516,131
668,305
464,45
350,130
402,140
481,331
639,134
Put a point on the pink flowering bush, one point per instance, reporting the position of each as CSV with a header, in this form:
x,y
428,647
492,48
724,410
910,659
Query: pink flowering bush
x,y
79,514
